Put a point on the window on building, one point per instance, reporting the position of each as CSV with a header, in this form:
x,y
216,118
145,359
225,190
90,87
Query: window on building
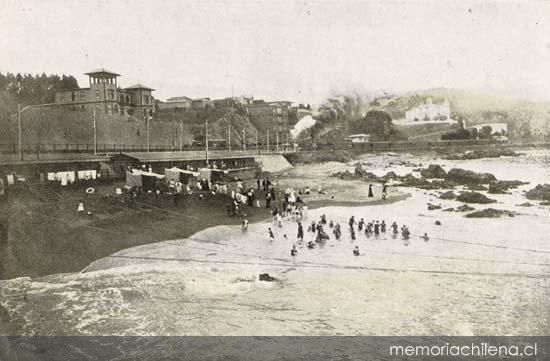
x,y
73,96
97,94
137,133
111,93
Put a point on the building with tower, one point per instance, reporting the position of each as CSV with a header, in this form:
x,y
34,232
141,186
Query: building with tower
x,y
429,111
104,94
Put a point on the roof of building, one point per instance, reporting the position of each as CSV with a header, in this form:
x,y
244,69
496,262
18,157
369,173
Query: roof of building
x,y
185,156
14,159
101,71
139,86
178,99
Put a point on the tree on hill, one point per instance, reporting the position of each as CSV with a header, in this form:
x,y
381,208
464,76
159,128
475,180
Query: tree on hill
x,y
379,125
486,132
27,89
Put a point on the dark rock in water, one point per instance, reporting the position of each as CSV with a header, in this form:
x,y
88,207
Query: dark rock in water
x,y
545,203
360,170
541,193
266,277
501,187
390,175
447,195
463,176
464,208
344,175
484,153
490,213
474,197
525,204
433,171
438,223
432,207
476,187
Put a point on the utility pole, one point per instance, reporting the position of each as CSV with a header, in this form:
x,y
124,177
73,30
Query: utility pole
x,y
257,141
229,136
277,147
206,136
244,139
268,141
147,124
181,134
20,151
95,134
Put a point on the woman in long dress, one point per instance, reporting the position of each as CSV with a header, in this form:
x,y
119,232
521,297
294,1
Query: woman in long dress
x,y
370,191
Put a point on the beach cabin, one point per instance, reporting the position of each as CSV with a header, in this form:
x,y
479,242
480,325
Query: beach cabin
x,y
359,138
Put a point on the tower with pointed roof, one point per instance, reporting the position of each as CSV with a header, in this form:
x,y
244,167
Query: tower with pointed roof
x,y
104,94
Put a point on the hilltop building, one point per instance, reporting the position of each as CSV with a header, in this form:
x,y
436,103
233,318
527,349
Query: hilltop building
x,y
429,112
272,117
105,95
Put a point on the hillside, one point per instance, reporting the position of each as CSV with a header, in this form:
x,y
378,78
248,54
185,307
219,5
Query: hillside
x,y
529,119
218,124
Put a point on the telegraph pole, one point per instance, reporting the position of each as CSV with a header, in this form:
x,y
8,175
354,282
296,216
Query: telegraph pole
x,y
277,139
268,141
181,134
20,151
229,136
257,141
244,137
206,136
95,134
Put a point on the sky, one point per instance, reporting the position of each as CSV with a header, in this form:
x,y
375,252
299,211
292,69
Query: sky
x,y
301,51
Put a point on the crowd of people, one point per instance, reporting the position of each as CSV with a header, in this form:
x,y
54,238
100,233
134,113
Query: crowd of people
x,y
374,228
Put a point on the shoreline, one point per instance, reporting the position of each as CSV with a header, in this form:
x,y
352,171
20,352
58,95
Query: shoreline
x,y
63,243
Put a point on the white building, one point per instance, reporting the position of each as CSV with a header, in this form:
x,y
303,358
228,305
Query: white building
x,y
359,138
429,112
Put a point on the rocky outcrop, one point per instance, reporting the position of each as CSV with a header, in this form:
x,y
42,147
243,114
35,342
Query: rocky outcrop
x,y
540,193
502,187
433,171
525,204
432,207
490,213
474,197
447,195
266,277
463,176
483,153
462,208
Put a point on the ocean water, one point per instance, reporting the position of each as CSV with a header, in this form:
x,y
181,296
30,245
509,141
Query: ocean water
x,y
473,277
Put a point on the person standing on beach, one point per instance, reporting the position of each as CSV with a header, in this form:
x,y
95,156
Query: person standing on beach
x,y
271,235
370,191
258,182
395,228
300,235
360,225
